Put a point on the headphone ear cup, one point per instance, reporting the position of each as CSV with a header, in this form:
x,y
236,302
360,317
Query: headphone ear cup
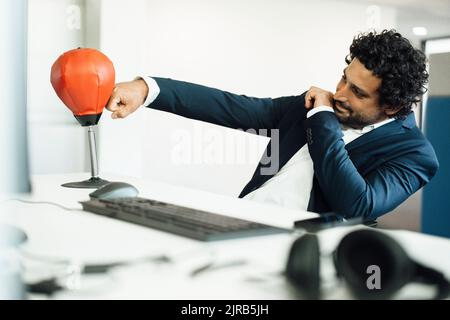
x,y
362,251
303,266
430,276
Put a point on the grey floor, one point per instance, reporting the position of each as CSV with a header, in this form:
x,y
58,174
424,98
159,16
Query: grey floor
x,y
406,216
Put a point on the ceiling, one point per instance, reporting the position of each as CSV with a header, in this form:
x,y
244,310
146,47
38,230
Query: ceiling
x,y
435,7
431,14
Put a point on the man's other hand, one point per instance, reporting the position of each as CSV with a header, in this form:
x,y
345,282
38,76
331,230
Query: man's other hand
x,y
316,97
126,98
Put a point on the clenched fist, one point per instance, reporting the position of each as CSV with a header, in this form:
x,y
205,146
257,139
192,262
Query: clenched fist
x,y
318,97
126,98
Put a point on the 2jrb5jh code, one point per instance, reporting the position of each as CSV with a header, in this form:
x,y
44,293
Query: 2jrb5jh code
x,y
229,310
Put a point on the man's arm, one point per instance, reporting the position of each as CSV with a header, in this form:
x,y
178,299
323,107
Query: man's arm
x,y
350,194
201,103
215,106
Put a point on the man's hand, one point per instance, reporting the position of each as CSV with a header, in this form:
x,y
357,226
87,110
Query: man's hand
x,y
127,97
316,97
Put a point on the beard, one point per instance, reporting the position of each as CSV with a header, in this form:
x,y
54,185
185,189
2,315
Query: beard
x,y
348,117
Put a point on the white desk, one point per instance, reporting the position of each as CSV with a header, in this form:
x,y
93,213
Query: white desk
x,y
83,237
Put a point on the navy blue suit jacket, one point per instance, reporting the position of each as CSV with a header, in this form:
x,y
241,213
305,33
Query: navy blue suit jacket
x,y
368,177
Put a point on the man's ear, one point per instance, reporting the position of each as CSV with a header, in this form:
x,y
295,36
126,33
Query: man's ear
x,y
391,111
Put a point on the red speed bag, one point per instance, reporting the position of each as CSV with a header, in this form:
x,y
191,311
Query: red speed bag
x,y
84,80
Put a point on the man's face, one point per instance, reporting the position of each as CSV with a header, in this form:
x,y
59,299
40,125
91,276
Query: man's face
x,y
356,99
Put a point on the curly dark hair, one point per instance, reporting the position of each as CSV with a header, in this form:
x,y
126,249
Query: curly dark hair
x,y
401,67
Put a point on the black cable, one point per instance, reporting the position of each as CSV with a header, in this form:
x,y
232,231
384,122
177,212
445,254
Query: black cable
x,y
43,202
47,287
97,268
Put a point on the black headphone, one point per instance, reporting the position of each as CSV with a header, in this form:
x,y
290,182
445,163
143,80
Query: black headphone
x,y
357,251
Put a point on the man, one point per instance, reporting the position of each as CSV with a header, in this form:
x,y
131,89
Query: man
x,y
357,152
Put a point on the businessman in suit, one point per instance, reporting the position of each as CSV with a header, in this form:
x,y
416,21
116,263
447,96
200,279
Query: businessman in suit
x,y
355,152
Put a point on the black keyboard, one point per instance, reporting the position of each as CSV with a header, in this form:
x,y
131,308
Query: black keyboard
x,y
183,221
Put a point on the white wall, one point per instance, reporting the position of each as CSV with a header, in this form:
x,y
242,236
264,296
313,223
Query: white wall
x,y
56,141
257,48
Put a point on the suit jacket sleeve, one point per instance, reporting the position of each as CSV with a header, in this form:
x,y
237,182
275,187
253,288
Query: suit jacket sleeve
x,y
219,107
378,192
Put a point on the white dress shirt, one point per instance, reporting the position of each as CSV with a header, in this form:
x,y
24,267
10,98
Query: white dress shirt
x,y
291,186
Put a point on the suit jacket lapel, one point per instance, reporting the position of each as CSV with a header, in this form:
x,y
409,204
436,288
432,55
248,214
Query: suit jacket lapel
x,y
392,128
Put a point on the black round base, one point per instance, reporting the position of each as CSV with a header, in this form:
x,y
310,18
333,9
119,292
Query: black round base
x,y
92,183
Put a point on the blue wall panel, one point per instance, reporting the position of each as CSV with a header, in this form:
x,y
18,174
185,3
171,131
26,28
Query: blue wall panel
x,y
436,195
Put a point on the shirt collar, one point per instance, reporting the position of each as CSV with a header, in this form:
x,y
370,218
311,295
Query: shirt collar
x,y
370,127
